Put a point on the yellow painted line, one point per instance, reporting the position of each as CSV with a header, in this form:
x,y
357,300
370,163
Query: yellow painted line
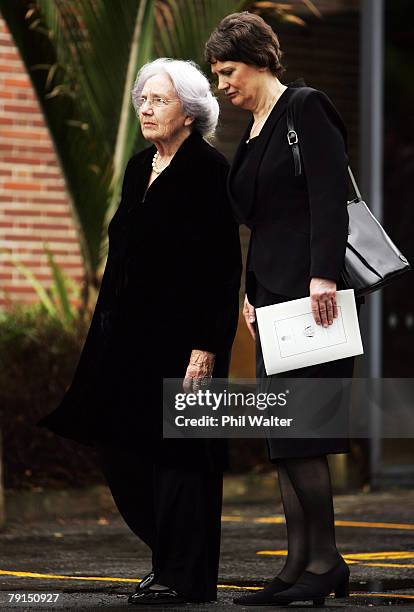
x,y
63,577
397,595
408,565
372,525
270,519
351,557
236,587
381,555
130,580
339,523
283,553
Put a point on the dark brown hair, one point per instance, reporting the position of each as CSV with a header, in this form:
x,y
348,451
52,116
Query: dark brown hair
x,y
245,37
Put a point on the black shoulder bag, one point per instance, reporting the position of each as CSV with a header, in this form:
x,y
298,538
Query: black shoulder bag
x,y
372,261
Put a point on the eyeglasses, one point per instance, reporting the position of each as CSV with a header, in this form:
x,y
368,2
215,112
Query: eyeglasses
x,y
157,102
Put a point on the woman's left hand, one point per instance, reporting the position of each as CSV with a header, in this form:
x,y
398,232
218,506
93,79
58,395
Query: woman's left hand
x,y
199,370
323,301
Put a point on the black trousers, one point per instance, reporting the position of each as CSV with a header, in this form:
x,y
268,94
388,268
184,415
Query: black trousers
x,y
176,511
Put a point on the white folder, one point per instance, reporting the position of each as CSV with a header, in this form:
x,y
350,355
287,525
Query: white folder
x,y
291,339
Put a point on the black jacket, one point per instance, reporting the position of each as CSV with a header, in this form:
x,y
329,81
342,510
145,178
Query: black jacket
x,y
170,285
299,224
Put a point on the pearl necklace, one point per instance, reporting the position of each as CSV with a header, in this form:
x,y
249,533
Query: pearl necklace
x,y
155,167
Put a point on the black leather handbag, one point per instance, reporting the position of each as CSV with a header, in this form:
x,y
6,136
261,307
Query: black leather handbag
x,y
372,261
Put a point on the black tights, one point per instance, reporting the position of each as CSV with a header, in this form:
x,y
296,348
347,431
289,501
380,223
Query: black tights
x,y
305,486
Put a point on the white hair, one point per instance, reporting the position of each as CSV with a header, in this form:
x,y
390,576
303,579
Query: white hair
x,y
192,87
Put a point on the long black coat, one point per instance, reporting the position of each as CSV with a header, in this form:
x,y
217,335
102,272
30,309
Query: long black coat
x,y
299,226
170,285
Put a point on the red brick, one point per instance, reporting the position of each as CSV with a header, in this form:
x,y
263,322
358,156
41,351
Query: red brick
x,y
10,82
33,148
25,95
59,213
48,226
34,251
37,263
55,187
9,54
20,108
22,211
34,199
45,175
26,160
16,289
14,69
25,134
15,237
38,200
23,186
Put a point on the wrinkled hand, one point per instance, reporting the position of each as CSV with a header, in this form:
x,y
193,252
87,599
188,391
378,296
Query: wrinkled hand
x,y
249,314
199,370
323,301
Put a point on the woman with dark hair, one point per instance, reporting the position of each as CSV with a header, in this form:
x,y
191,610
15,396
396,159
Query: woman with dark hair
x,y
173,248
297,246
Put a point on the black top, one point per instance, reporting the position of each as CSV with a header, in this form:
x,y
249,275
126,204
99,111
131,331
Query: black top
x,y
299,224
242,174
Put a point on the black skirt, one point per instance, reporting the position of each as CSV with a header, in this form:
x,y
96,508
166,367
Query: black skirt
x,y
279,448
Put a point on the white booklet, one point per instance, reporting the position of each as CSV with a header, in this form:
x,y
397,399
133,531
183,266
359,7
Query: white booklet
x,y
291,339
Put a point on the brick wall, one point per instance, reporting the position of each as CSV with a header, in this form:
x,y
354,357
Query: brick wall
x,y
34,206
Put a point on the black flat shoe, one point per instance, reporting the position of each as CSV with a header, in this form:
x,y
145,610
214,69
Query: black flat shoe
x,y
146,597
265,597
146,582
316,587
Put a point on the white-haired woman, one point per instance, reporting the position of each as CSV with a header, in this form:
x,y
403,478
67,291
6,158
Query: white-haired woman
x,y
167,308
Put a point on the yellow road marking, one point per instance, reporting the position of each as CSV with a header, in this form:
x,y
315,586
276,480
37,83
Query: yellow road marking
x,y
351,559
130,580
409,565
381,555
372,525
400,596
338,523
353,556
64,577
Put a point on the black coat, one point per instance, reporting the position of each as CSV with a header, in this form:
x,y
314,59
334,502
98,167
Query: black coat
x,y
298,224
170,285
299,228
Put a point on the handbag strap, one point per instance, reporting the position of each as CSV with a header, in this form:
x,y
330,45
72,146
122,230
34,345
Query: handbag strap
x,y
293,140
354,184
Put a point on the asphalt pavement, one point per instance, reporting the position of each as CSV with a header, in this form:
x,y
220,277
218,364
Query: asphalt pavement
x,y
95,561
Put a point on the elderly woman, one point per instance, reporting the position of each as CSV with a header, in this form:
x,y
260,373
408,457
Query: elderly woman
x,y
298,238
167,308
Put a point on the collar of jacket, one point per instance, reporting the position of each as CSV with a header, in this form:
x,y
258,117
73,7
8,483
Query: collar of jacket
x,y
242,207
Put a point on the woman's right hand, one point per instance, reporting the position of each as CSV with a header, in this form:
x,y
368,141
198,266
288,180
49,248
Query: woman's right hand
x,y
249,314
